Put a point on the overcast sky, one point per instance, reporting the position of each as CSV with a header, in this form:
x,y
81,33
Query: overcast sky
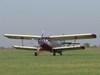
x,y
52,16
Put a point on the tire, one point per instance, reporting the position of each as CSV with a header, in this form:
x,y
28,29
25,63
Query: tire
x,y
54,53
36,54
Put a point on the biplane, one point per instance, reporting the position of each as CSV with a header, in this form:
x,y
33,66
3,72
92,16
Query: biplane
x,y
54,44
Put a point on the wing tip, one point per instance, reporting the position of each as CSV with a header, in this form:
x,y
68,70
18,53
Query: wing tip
x,y
82,47
4,35
94,35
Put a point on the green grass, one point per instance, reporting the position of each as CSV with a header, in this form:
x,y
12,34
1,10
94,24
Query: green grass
x,y
22,62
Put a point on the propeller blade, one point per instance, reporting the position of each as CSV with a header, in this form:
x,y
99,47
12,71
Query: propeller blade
x,y
40,41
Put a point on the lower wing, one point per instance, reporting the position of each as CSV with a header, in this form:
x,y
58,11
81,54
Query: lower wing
x,y
55,48
69,48
25,47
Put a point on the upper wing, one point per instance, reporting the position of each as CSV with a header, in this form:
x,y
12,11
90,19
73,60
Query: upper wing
x,y
25,47
57,37
74,36
16,36
69,48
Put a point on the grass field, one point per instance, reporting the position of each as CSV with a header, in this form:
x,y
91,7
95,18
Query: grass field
x,y
22,62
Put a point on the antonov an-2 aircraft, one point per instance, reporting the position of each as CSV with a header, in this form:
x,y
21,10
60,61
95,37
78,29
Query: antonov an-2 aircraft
x,y
54,44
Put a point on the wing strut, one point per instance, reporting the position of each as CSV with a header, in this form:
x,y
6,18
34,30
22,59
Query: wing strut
x,y
22,41
75,41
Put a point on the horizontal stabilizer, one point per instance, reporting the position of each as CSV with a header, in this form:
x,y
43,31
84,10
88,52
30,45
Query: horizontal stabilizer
x,y
69,43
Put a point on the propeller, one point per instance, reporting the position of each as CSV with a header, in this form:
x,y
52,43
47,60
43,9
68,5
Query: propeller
x,y
40,41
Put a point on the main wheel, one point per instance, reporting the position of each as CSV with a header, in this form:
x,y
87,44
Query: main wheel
x,y
35,54
54,53
60,53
